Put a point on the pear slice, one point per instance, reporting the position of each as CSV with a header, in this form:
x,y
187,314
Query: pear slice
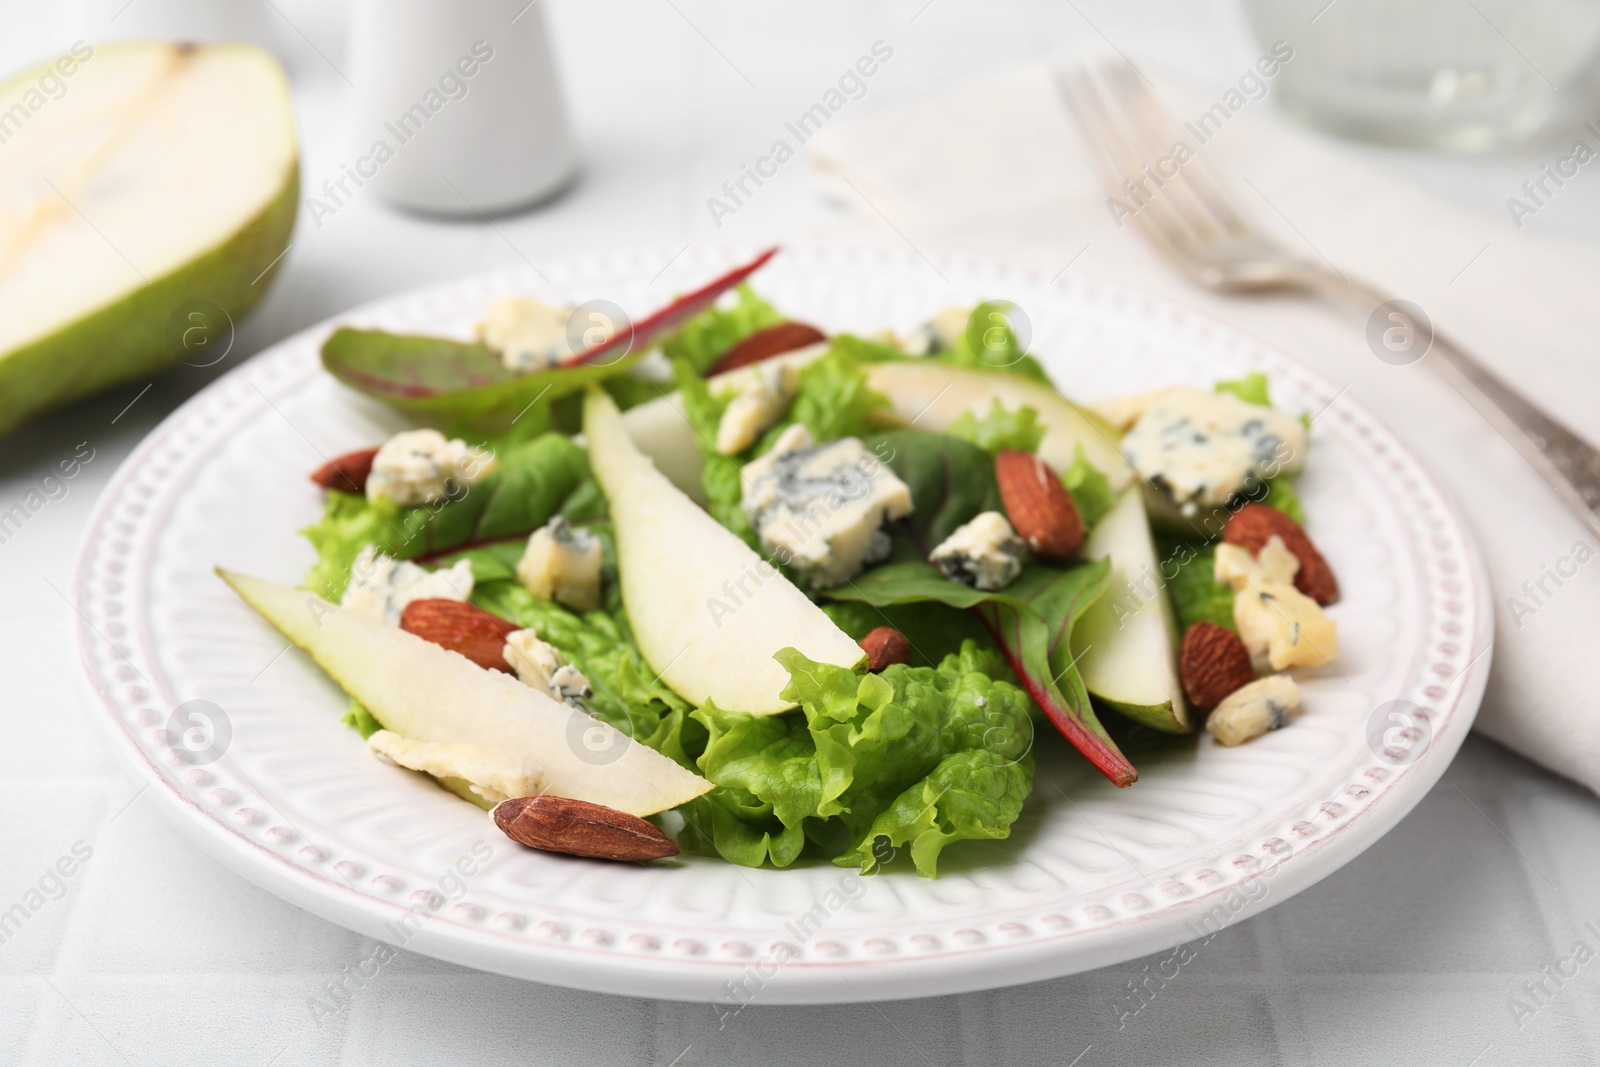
x,y
1126,643
707,611
426,693
147,194
663,432
930,394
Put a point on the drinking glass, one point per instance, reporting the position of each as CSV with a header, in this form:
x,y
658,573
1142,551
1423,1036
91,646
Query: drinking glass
x,y
1460,75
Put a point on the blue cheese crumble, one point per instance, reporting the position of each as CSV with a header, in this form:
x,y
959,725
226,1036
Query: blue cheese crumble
x,y
528,335
1200,449
820,509
562,563
759,402
539,666
424,467
381,586
1252,710
985,553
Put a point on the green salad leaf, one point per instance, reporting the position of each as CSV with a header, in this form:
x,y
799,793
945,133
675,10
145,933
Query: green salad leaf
x,y
454,381
999,430
1090,489
720,475
1252,389
627,693
914,756
1197,596
833,400
933,630
950,480
865,350
1281,494
1031,620
702,340
532,482
990,343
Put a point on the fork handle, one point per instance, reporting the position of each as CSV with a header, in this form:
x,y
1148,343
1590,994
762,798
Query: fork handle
x,y
1569,463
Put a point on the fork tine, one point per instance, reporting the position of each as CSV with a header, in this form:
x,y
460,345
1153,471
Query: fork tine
x,y
1117,162
1152,118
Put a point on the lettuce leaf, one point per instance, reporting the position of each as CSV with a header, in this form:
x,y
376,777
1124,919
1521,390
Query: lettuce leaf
x,y
990,343
702,340
627,693
918,756
833,400
999,430
720,476
1196,594
1281,495
1090,489
1031,620
533,481
1252,389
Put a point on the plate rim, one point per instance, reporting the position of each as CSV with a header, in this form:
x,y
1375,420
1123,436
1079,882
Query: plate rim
x,y
987,965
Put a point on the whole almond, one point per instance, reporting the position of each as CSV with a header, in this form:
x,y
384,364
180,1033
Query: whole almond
x,y
767,342
1212,663
460,627
1039,506
347,473
581,828
885,646
1253,525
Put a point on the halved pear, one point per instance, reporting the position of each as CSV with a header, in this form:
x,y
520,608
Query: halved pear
x,y
144,187
930,394
707,611
427,693
663,432
1127,642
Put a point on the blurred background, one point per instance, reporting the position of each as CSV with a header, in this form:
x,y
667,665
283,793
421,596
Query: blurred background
x,y
668,99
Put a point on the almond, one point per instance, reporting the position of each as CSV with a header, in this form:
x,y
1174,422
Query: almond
x,y
581,828
1212,663
1039,506
767,342
1253,525
884,646
460,627
346,473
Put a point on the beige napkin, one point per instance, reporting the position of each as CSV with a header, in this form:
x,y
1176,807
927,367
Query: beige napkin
x,y
998,169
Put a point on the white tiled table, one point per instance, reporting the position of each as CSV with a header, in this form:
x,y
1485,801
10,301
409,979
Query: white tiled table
x,y
156,954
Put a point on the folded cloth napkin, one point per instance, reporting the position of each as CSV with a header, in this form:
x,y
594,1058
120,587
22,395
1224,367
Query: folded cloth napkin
x,y
998,169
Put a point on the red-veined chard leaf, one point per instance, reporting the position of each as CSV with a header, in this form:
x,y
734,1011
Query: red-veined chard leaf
x,y
464,384
1032,621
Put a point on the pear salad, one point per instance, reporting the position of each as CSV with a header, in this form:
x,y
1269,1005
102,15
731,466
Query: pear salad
x,y
719,582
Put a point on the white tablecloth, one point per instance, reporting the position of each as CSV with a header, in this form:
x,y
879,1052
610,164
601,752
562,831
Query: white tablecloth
x,y
1418,952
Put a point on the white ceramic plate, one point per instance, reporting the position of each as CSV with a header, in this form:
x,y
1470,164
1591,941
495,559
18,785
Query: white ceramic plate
x,y
1091,876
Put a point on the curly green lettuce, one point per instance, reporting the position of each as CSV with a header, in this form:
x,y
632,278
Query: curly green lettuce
x,y
915,758
999,430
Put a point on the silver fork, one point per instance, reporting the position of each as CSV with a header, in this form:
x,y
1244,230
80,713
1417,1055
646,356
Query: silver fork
x,y
1192,223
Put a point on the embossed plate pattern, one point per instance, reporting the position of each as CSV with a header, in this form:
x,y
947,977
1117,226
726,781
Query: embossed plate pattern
x,y
1092,875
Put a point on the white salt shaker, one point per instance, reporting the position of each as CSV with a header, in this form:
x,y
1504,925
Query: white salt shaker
x,y
459,110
